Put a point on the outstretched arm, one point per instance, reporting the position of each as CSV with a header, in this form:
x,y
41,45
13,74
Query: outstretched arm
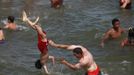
x,y
64,46
52,43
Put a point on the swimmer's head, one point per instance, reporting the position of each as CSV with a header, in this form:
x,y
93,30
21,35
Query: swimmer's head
x,y
38,65
11,19
116,22
131,35
78,52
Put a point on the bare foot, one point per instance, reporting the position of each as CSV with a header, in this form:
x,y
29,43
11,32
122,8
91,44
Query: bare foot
x,y
24,16
36,21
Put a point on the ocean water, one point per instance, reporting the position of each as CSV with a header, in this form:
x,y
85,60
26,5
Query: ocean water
x,y
79,22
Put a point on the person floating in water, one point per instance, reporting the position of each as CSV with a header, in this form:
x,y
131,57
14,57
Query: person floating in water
x,y
129,41
56,3
10,24
85,58
114,32
2,37
126,4
43,42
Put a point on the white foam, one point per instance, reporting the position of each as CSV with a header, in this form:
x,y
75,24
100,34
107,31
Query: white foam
x,y
4,21
20,27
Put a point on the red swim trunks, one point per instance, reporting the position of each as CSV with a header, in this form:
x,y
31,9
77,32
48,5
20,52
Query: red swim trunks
x,y
96,72
42,46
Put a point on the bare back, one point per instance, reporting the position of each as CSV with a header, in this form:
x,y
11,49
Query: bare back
x,y
11,26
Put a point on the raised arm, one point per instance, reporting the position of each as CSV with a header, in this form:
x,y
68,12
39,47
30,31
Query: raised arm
x,y
52,43
106,36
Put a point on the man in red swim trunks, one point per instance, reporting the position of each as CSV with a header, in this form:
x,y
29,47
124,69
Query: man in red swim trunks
x,y
125,4
85,58
42,41
56,3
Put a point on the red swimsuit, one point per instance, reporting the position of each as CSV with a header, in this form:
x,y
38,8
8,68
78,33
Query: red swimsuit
x,y
96,72
42,46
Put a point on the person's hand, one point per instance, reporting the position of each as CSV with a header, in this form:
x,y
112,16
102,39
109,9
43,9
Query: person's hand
x,y
63,61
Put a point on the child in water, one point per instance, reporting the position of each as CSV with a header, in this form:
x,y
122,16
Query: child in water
x,y
130,40
10,24
43,43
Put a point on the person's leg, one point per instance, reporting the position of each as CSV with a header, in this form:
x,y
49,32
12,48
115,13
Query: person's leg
x,y
25,19
52,58
24,16
43,60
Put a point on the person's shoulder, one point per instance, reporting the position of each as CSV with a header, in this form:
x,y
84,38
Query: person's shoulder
x,y
109,31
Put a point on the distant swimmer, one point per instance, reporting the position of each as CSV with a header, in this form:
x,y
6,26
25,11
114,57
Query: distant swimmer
x,y
2,37
85,58
114,32
126,4
129,41
43,42
10,24
56,3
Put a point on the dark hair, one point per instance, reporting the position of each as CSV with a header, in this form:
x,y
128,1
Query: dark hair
x,y
38,65
77,50
11,18
131,35
114,20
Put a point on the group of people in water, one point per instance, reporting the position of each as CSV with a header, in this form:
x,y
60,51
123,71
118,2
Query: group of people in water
x,y
84,56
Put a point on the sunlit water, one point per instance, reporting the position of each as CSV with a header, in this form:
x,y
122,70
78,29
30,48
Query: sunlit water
x,y
78,22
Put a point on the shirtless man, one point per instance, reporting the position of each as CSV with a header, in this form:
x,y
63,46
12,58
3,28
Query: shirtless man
x,y
125,4
11,25
56,3
114,32
129,41
2,37
43,42
85,58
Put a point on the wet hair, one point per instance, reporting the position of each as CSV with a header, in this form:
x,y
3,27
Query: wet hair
x,y
11,19
77,50
114,20
38,64
131,35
